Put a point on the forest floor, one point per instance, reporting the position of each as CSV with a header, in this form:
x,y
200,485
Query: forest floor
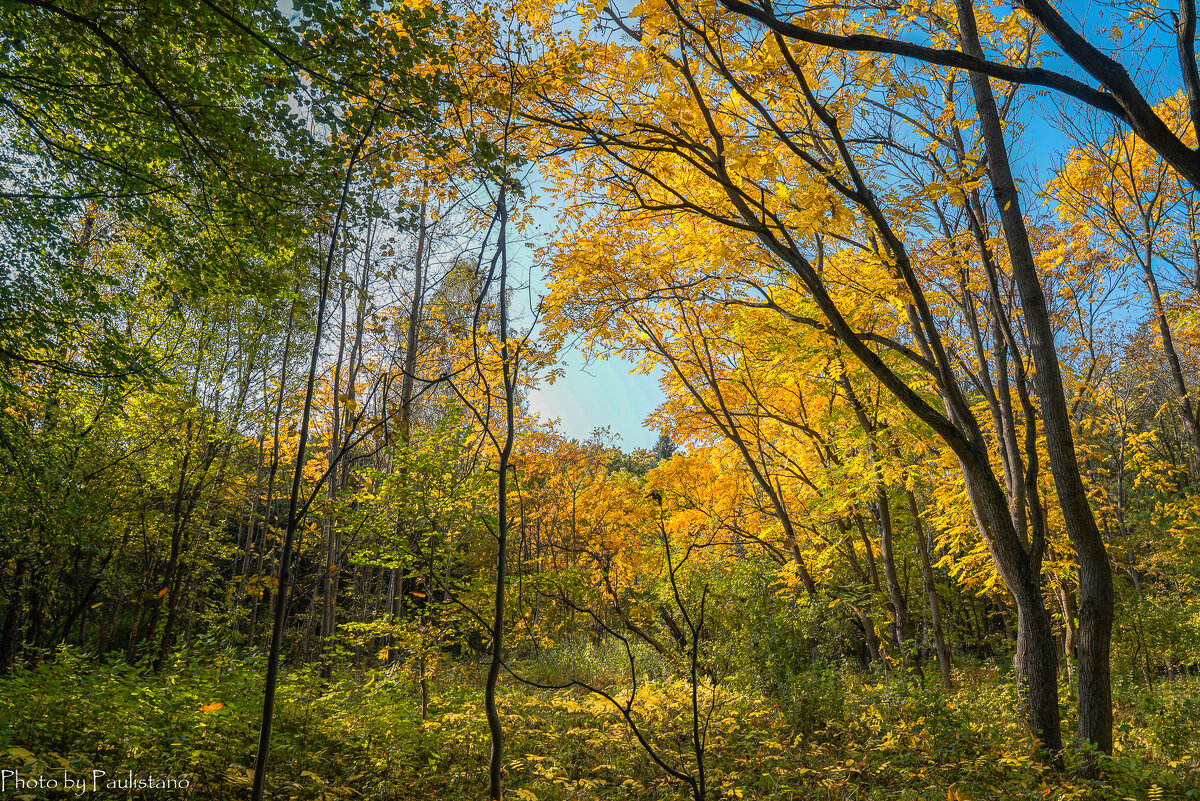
x,y
829,735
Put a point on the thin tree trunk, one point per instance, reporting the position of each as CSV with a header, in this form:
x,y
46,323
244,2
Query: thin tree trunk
x,y
269,508
325,587
935,608
508,367
399,587
1182,398
293,522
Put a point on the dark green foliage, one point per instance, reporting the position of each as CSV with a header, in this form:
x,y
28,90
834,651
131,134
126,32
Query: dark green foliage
x,y
214,131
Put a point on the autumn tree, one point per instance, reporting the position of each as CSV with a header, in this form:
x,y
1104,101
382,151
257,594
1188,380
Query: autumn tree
x,y
731,140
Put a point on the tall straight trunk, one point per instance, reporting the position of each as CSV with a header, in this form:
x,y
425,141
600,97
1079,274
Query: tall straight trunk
x,y
392,600
325,587
293,521
412,340
170,578
268,516
400,577
413,333
887,551
508,368
935,607
1095,572
340,476
246,525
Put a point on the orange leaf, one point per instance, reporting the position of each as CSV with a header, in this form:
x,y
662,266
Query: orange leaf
x,y
162,592
211,707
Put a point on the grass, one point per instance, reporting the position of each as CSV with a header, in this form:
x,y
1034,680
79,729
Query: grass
x,y
835,734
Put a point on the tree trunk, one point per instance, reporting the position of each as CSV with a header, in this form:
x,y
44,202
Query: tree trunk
x,y
9,635
326,586
1066,600
407,387
508,367
935,609
1182,399
293,522
1095,573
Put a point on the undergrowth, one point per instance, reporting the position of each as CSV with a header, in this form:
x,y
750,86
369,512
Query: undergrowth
x,y
835,735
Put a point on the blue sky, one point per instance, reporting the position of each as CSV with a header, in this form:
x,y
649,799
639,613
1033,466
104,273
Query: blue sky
x,y
600,394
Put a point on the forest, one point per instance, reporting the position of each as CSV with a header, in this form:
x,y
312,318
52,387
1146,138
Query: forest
x,y
918,281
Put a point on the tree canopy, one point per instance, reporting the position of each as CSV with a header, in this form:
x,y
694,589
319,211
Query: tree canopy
x,y
917,512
